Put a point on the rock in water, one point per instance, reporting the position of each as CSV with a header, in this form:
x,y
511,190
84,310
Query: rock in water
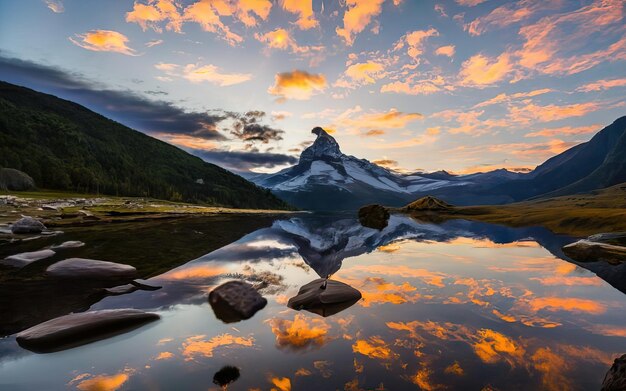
x,y
587,251
235,301
69,244
91,270
27,225
226,375
78,329
615,379
324,297
23,259
617,238
374,216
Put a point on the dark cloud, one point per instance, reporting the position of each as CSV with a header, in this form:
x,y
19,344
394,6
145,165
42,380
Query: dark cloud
x,y
125,107
246,127
239,161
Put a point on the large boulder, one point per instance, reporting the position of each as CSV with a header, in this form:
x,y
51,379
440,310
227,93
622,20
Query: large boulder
x,y
324,297
374,216
73,330
235,301
27,225
89,270
23,259
615,379
588,251
11,179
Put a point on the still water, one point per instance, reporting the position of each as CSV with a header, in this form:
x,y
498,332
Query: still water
x,y
455,305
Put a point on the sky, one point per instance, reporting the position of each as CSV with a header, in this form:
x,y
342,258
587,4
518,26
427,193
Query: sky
x,y
460,85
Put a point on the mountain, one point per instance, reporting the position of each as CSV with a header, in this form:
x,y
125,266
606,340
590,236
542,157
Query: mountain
x,y
327,179
65,146
595,164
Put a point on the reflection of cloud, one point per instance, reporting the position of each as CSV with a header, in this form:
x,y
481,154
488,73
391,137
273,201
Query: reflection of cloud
x,y
430,278
164,356
374,347
569,304
553,368
300,333
195,272
198,346
491,346
281,383
455,369
102,382
423,380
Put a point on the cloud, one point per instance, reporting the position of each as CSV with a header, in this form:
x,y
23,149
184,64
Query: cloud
x,y
280,115
366,73
357,17
197,73
246,127
243,161
149,15
447,50
482,71
355,120
469,3
103,41
414,42
281,39
532,112
304,10
600,85
509,14
387,163
55,5
414,86
503,97
298,85
565,131
301,333
127,107
154,42
208,18
441,10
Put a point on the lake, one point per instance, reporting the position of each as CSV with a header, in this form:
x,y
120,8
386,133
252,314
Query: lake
x,y
449,305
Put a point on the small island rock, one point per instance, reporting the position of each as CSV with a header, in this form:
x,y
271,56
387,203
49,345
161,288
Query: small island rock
x,y
236,300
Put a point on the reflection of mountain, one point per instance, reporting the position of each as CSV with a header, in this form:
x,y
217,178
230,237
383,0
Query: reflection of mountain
x,y
327,179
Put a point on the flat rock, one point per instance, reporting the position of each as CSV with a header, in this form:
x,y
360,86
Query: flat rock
x,y
69,244
78,329
324,297
27,225
121,290
615,379
588,251
23,259
617,238
235,301
90,269
374,216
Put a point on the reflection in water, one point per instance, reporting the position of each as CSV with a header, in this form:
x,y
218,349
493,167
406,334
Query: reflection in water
x,y
324,297
455,305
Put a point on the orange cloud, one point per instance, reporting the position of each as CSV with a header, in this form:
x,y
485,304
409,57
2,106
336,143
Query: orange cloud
x,y
554,304
469,3
195,272
430,278
103,41
200,73
281,39
280,383
503,97
298,85
532,112
304,10
208,18
374,347
507,15
198,346
491,346
447,50
187,141
164,356
414,86
455,369
553,368
103,382
366,73
600,85
300,333
481,71
149,15
423,380
358,15
415,42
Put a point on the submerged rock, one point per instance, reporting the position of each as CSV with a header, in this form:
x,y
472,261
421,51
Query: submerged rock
x,y
23,259
90,269
27,225
235,301
73,330
588,251
615,379
374,216
324,297
226,375
69,244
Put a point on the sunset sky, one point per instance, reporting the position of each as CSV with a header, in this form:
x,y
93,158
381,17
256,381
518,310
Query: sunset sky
x,y
464,85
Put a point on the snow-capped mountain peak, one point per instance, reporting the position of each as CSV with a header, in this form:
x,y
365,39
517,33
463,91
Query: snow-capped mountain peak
x,y
325,146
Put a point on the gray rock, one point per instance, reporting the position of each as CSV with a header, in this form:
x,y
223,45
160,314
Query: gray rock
x,y
618,238
374,216
324,297
11,179
235,301
27,225
69,244
73,330
615,379
587,251
121,290
90,269
23,259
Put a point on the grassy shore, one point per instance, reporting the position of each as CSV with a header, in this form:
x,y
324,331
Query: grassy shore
x,y
578,215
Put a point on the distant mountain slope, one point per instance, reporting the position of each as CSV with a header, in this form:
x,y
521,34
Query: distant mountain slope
x,y
65,146
596,164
